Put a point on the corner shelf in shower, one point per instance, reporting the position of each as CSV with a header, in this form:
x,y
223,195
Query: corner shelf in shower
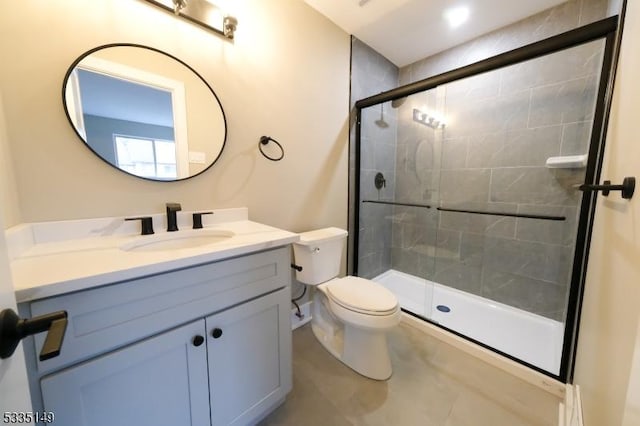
x,y
567,162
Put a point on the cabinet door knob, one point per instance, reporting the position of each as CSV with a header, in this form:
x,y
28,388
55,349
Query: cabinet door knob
x,y
198,340
216,333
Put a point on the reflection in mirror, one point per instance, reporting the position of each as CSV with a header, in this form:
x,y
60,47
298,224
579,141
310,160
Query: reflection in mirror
x,y
144,112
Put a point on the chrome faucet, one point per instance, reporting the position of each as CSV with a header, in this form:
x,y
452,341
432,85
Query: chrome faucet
x,y
172,219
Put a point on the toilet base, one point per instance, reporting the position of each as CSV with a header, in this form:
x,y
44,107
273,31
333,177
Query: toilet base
x,y
363,350
367,353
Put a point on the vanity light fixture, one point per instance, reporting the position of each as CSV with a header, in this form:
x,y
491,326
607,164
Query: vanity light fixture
x,y
178,5
202,12
427,119
229,24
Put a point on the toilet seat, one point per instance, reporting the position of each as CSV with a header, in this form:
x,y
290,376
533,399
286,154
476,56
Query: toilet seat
x,y
362,296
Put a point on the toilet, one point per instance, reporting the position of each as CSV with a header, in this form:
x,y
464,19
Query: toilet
x,y
350,315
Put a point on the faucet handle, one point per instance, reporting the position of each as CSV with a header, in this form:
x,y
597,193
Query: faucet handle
x,y
146,222
197,219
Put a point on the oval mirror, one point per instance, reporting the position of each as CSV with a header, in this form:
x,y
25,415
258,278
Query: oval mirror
x,y
144,112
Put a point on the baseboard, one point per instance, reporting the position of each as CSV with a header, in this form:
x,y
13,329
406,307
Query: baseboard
x,y
305,310
570,411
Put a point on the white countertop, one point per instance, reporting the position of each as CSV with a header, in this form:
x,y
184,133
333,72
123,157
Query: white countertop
x,y
49,265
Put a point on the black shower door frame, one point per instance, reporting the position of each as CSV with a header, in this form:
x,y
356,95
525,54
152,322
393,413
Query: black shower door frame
x,y
608,29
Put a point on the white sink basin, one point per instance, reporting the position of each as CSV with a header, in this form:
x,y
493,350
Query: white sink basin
x,y
178,240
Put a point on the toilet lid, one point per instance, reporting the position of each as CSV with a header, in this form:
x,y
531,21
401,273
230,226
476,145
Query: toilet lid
x,y
361,295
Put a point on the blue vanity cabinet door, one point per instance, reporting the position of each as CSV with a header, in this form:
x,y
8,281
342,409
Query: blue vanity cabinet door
x,y
160,381
249,354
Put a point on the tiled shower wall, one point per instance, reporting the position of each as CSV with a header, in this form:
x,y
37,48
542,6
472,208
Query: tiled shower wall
x,y
372,73
501,128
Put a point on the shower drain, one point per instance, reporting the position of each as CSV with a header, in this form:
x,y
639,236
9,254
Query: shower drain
x,y
443,308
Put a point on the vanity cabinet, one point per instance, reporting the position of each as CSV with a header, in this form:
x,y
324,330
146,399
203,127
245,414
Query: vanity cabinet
x,y
206,345
159,381
245,364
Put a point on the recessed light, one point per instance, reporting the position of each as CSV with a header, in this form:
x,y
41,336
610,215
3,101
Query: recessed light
x,y
456,16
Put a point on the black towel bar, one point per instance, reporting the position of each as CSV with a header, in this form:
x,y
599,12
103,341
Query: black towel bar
x,y
627,188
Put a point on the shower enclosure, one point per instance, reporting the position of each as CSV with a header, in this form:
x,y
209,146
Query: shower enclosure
x,y
467,199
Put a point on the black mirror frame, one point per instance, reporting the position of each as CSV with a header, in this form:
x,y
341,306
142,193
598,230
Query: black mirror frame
x,y
105,46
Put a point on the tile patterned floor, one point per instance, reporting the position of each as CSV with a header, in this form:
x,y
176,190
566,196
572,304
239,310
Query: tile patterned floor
x,y
433,384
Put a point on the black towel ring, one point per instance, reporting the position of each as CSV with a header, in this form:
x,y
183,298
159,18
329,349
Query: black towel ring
x,y
265,140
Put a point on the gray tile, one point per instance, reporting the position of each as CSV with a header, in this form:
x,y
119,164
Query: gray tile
x,y
502,113
536,296
409,261
593,10
556,20
547,231
458,275
368,265
375,237
418,237
374,216
447,244
411,189
569,64
525,147
371,68
539,261
464,185
415,216
536,185
454,153
496,226
478,87
472,249
576,138
565,102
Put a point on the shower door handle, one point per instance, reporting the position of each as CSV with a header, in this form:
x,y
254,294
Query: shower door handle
x,y
627,187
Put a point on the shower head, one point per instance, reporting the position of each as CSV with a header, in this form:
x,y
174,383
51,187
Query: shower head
x,y
380,122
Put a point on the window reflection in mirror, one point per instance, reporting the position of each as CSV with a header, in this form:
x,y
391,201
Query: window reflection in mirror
x,y
150,158
144,112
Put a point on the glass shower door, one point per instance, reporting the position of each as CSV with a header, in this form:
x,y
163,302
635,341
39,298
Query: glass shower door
x,y
468,204
514,151
397,231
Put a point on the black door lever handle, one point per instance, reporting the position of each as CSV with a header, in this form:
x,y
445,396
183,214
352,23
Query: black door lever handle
x,y
13,329
628,187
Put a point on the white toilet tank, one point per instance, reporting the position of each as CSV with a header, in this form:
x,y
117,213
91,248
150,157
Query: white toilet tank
x,y
319,253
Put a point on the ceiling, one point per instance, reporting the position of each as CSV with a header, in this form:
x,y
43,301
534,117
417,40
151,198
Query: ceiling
x,y
405,31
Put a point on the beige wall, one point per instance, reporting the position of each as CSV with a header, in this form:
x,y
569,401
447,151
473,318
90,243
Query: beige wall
x,y
606,367
9,203
286,76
